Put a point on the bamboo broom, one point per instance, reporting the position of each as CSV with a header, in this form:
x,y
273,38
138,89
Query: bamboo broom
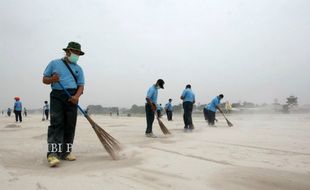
x,y
111,145
162,126
228,122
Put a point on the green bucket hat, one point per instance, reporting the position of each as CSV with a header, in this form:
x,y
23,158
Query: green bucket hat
x,y
74,46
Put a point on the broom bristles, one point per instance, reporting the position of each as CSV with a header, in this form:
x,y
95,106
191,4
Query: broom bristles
x,y
111,145
163,127
229,123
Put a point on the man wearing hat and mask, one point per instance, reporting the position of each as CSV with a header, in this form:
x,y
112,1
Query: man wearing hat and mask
x,y
150,106
63,110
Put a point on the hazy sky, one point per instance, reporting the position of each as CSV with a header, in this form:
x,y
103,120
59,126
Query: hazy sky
x,y
249,50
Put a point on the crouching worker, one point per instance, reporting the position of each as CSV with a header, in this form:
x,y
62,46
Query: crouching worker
x,y
63,110
210,109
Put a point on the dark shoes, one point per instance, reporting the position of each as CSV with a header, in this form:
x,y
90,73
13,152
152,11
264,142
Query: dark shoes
x,y
191,127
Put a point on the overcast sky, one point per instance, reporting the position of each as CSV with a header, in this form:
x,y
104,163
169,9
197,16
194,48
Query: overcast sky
x,y
249,50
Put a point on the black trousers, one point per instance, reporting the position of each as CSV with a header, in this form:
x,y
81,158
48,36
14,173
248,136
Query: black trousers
x,y
46,112
158,113
187,116
150,116
18,116
205,113
169,115
210,116
61,131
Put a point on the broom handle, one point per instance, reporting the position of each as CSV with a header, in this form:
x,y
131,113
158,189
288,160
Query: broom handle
x,y
69,95
223,114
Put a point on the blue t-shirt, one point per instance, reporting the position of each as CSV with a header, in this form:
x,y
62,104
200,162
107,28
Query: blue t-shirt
x,y
18,106
169,106
188,95
65,76
159,108
152,94
212,106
